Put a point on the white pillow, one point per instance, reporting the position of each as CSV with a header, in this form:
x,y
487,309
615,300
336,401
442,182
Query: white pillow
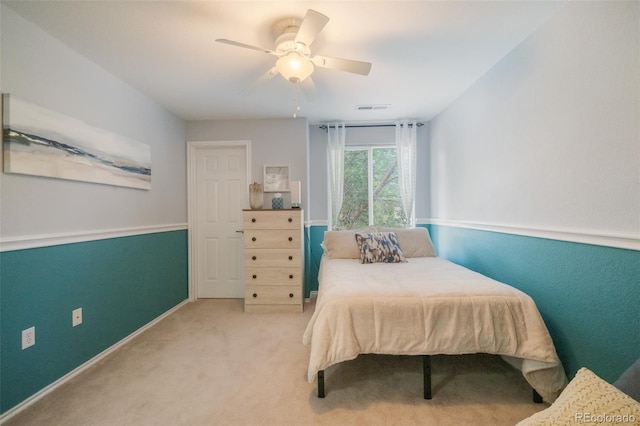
x,y
414,242
588,399
342,244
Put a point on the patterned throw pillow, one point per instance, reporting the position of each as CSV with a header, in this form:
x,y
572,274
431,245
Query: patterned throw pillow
x,y
379,247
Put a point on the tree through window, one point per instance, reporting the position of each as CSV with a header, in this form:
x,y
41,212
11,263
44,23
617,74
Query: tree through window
x,y
371,194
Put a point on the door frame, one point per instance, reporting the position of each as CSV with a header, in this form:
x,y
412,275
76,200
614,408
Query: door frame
x,y
192,231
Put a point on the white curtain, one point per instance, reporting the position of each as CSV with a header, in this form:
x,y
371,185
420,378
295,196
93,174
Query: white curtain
x,y
336,137
406,153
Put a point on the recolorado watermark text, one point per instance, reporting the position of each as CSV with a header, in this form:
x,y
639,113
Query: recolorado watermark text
x,y
605,418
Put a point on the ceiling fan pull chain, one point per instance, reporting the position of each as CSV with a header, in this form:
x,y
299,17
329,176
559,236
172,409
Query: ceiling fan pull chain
x,y
296,98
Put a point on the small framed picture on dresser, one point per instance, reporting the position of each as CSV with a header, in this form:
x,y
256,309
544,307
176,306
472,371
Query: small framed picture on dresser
x,y
276,178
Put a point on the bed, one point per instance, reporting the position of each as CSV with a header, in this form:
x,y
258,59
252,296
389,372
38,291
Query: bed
x,y
406,301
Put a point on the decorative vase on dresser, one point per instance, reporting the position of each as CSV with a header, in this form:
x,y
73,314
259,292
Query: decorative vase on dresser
x,y
273,260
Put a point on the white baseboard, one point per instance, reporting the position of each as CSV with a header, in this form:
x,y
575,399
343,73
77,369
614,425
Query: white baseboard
x,y
78,370
312,295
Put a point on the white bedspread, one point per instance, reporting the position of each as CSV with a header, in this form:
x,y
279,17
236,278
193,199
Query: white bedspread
x,y
428,306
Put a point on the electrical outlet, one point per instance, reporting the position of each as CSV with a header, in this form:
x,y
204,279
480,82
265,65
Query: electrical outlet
x,y
28,337
76,317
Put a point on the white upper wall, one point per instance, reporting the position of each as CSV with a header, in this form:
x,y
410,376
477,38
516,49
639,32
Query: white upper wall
x,y
550,137
40,69
279,141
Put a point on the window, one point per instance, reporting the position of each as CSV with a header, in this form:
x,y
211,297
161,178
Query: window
x,y
371,194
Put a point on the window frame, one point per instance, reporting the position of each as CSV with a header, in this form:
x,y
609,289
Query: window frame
x,y
369,149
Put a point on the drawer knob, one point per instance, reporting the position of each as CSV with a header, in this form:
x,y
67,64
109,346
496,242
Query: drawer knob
x,y
290,294
290,276
290,238
255,276
253,219
255,295
290,220
290,257
253,258
253,238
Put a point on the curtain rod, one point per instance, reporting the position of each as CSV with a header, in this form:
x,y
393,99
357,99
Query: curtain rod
x,y
324,126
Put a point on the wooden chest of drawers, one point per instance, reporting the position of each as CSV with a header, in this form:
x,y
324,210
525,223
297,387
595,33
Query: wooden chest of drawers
x,y
273,259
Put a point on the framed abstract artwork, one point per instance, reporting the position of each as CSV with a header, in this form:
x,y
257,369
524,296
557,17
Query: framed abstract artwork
x,y
41,142
276,178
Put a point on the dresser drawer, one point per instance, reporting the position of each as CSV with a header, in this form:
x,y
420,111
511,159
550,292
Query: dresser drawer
x,y
272,219
275,257
273,276
273,294
256,238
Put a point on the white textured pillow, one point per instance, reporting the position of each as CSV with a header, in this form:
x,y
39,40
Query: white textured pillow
x,y
414,242
342,244
588,399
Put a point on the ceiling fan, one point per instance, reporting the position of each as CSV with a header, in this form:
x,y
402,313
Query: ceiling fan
x,y
295,62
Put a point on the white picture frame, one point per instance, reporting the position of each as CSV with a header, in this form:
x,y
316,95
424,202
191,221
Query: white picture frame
x,y
276,178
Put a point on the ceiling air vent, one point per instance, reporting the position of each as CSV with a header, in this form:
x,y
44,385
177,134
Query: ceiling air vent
x,y
377,107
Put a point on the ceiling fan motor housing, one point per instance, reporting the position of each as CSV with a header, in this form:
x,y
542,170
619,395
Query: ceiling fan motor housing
x,y
285,42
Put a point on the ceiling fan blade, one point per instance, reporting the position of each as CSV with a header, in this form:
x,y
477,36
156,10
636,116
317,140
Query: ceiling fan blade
x,y
308,88
246,46
311,26
348,65
260,81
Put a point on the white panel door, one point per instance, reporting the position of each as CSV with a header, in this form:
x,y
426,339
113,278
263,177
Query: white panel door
x,y
220,193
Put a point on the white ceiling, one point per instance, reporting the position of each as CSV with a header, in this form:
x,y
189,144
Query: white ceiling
x,y
424,53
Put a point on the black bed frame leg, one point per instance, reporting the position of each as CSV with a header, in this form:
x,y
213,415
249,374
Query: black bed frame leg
x,y
537,398
426,369
321,384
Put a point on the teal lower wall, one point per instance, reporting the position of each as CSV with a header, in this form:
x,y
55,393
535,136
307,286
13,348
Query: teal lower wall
x,y
121,284
313,252
588,295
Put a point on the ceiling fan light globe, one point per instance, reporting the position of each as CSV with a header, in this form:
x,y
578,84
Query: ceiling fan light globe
x,y
294,67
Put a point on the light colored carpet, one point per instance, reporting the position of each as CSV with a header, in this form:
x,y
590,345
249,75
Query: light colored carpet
x,y
209,363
